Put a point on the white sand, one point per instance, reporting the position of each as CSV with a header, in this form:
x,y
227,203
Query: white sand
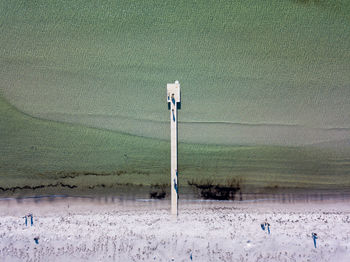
x,y
85,230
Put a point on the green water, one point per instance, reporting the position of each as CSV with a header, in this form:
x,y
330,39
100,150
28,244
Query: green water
x,y
83,83
38,152
252,72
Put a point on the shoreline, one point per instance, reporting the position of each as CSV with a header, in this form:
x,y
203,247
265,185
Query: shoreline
x,y
69,204
244,197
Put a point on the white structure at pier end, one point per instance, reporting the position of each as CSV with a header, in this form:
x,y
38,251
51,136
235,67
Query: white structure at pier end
x,y
173,98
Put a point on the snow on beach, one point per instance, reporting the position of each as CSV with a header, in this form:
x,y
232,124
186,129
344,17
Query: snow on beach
x,y
87,230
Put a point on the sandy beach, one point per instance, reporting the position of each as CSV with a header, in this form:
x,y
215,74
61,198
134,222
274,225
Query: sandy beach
x,y
71,229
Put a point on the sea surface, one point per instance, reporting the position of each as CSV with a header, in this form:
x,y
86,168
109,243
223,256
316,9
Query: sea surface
x,y
251,72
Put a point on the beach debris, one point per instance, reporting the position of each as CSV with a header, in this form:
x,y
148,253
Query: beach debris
x,y
314,237
36,240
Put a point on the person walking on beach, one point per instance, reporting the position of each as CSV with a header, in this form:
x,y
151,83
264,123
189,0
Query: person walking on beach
x,y
314,237
31,219
173,99
25,220
268,227
36,240
173,114
263,226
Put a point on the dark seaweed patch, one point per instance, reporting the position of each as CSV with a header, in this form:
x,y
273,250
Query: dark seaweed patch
x,y
100,185
13,189
158,191
209,190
